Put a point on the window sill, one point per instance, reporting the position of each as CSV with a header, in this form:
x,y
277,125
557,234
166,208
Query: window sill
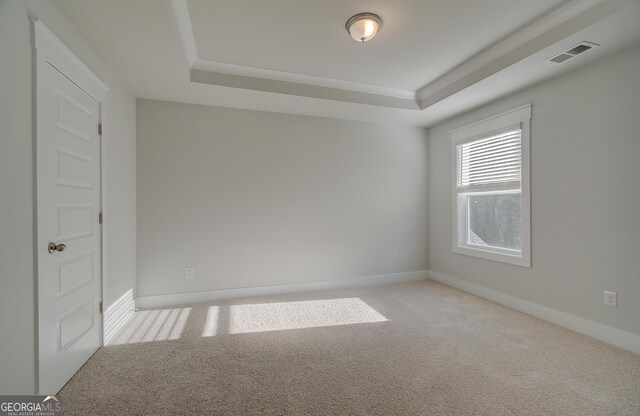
x,y
522,260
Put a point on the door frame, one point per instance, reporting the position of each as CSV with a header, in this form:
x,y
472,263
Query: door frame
x,y
48,48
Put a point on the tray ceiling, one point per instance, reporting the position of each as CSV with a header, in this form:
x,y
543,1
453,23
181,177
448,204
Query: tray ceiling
x,y
431,59
419,40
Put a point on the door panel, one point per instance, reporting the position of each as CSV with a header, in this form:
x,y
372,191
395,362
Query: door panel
x,y
68,174
75,272
74,169
74,324
75,221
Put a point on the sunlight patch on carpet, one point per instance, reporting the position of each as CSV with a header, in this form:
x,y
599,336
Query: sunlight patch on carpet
x,y
278,316
154,325
211,324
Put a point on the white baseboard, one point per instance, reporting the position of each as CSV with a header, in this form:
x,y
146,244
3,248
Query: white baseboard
x,y
117,314
593,329
157,301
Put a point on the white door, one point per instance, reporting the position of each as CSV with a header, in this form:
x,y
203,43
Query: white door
x,y
69,233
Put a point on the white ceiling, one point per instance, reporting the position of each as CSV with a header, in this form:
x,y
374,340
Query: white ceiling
x,y
419,41
431,59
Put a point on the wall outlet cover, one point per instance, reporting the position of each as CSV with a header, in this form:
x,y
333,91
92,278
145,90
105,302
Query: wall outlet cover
x,y
188,273
610,299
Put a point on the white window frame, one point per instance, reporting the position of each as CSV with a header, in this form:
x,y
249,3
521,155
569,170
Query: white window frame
x,y
521,117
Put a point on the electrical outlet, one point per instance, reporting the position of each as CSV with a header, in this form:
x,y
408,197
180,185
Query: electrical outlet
x,y
611,299
395,258
188,273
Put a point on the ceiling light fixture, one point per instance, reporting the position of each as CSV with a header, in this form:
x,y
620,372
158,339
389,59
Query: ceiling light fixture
x,y
363,26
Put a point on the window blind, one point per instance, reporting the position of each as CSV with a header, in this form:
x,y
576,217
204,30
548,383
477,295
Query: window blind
x,y
494,160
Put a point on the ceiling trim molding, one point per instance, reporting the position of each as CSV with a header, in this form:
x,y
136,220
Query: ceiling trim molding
x,y
363,93
300,89
185,29
555,26
249,71
544,32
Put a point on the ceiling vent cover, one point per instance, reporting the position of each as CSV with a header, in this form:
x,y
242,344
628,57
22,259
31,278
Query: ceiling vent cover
x,y
572,52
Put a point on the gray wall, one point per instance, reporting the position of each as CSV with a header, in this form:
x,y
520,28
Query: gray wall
x,y
252,198
585,173
17,278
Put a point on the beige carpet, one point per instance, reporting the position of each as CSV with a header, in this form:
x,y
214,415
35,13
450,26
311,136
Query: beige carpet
x,y
407,349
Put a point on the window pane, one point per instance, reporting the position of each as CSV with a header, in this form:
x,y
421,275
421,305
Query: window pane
x,y
495,220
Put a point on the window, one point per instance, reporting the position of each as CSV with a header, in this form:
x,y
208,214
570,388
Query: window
x,y
491,188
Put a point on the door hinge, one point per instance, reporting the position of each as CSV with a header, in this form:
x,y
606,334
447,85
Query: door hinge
x,y
100,307
100,129
100,218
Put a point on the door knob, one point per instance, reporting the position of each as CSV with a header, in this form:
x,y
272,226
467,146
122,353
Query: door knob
x,y
56,247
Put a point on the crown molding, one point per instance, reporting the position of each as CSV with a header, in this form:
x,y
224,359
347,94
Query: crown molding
x,y
250,71
544,32
300,89
262,79
185,29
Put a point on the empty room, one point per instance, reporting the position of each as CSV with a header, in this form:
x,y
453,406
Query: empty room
x,y
340,207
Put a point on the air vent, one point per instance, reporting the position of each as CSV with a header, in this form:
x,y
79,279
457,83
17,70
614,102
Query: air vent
x,y
561,58
583,47
580,48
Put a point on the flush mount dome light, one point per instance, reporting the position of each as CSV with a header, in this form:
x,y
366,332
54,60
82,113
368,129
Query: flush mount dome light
x,y
363,26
